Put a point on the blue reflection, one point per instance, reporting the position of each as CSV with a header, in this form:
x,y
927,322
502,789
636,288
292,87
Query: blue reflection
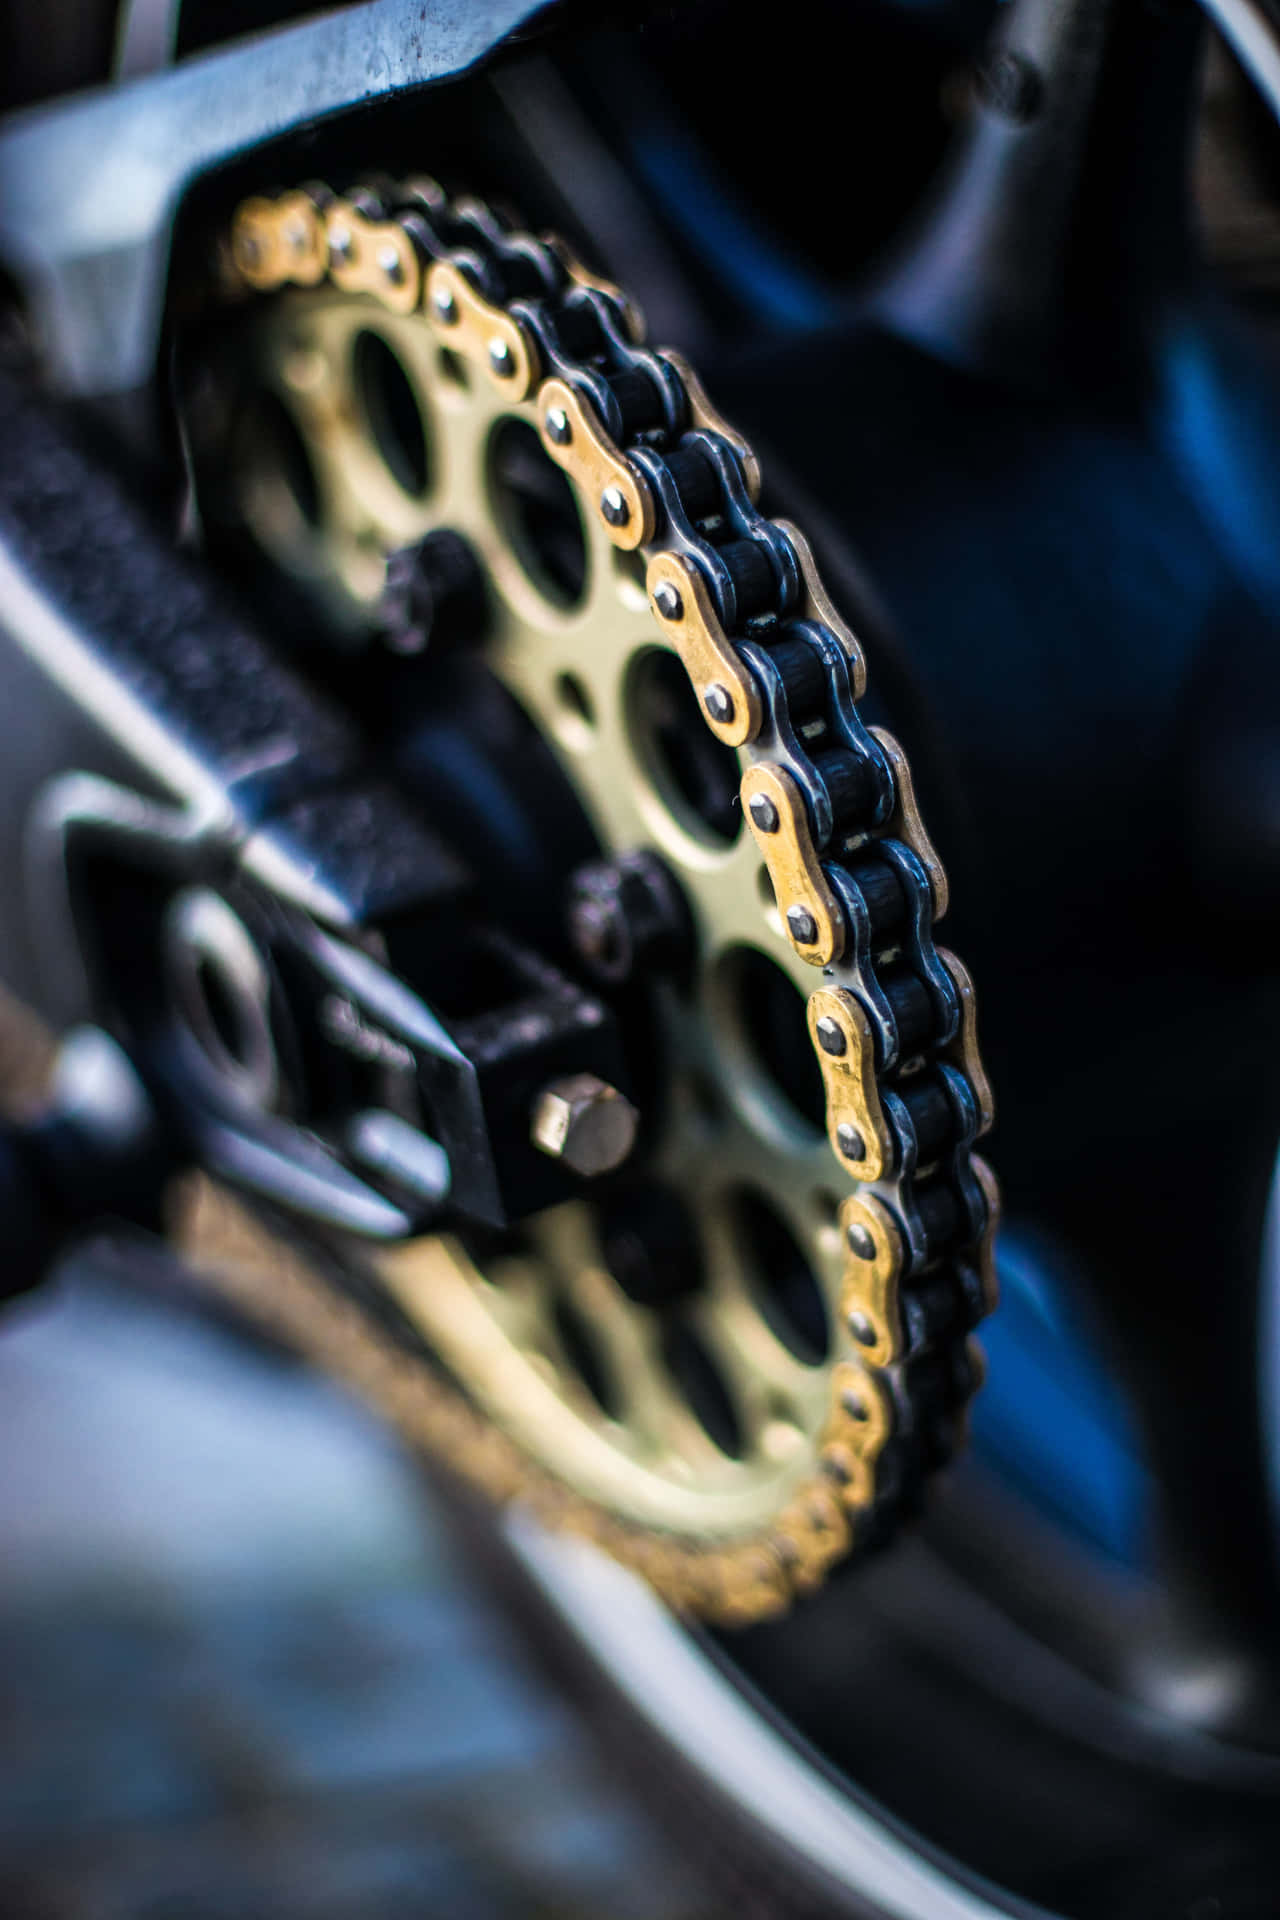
x,y
708,214
1215,411
1050,1419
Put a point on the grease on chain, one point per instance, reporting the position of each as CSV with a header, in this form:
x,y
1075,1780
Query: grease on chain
x,y
777,675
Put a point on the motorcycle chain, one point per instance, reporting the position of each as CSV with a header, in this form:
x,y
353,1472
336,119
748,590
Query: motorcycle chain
x,y
777,675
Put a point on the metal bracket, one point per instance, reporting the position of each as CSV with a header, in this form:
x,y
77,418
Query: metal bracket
x,y
90,186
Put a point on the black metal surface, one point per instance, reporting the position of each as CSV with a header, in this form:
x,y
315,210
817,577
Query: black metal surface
x,y
1057,238
277,813
180,683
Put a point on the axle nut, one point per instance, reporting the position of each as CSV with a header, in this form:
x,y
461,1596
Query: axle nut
x,y
584,1122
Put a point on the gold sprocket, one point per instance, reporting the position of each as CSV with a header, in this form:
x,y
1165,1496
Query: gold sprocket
x,y
729,1447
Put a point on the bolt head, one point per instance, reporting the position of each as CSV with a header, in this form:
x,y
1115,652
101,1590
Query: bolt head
x,y
718,702
851,1143
597,930
446,307
585,1122
1009,85
406,640
861,1241
763,812
666,599
501,359
802,926
558,425
831,1038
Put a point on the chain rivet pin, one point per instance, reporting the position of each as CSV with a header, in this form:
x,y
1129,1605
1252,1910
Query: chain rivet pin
x,y
667,601
861,1241
802,926
615,507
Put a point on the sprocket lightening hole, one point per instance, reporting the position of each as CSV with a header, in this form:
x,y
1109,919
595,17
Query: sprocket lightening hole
x,y
782,1282
691,1365
582,1349
538,512
765,1013
279,487
696,775
391,411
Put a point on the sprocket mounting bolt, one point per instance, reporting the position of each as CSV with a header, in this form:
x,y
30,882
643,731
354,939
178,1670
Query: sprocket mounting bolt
x,y
627,916
434,593
585,1122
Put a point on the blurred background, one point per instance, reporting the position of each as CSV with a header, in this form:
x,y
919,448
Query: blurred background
x,y
242,1669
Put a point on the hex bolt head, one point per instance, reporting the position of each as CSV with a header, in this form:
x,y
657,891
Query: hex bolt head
x,y
666,599
763,812
446,307
831,1038
614,506
585,1122
851,1143
802,926
558,425
861,1241
501,359
718,702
